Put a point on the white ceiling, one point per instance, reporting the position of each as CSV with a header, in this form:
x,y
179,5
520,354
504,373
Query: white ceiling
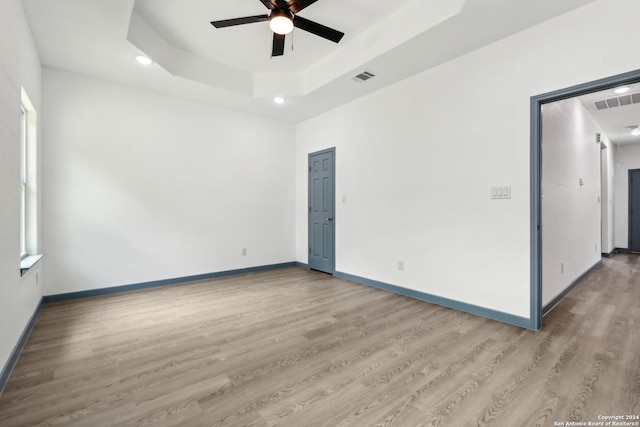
x,y
248,47
231,67
615,122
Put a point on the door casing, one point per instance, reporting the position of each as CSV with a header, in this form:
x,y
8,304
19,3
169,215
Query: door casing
x,y
535,230
634,183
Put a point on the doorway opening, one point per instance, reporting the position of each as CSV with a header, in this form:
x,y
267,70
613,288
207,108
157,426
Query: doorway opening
x,y
537,191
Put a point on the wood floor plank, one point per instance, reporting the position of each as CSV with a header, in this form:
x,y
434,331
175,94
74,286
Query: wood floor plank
x,y
298,348
363,368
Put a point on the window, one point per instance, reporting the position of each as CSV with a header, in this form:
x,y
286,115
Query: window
x,y
28,188
23,182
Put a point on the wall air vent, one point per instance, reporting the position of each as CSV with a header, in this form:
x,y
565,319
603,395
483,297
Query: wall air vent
x,y
364,76
617,101
598,138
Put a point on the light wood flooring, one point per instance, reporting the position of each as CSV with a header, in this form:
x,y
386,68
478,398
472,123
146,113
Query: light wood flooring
x,y
298,348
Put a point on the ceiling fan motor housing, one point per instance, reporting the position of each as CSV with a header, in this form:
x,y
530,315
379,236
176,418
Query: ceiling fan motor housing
x,y
280,12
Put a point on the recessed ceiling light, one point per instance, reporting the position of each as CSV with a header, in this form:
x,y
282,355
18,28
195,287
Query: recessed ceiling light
x,y
144,60
621,90
279,100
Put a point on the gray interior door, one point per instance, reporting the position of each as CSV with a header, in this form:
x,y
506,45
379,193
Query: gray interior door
x,y
634,210
321,211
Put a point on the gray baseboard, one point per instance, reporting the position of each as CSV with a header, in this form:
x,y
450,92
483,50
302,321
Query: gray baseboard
x,y
446,302
6,371
165,282
547,308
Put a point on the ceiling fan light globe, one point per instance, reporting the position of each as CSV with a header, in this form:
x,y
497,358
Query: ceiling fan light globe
x,y
281,25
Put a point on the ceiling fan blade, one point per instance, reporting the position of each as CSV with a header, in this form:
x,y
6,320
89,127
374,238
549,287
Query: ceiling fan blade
x,y
278,45
297,5
318,29
239,21
269,4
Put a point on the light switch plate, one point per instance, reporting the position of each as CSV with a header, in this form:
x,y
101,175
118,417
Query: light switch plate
x,y
502,192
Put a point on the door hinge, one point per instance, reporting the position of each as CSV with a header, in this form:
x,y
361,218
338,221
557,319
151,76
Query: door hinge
x,y
309,168
309,250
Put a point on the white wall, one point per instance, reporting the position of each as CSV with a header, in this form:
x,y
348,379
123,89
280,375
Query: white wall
x,y
627,157
143,187
19,66
417,159
571,213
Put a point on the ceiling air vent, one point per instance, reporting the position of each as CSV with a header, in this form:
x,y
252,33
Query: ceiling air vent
x,y
617,101
364,76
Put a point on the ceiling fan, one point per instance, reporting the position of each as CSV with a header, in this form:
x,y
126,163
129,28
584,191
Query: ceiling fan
x,y
282,19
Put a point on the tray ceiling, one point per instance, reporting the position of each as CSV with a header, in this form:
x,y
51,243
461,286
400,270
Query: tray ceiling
x,y
232,67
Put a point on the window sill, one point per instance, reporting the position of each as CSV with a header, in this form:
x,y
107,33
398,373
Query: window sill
x,y
29,261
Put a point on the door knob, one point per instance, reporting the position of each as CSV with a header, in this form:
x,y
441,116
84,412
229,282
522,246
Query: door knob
x,y
329,218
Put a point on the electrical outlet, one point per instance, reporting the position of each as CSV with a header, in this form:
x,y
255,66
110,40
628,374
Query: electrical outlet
x,y
244,251
401,265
